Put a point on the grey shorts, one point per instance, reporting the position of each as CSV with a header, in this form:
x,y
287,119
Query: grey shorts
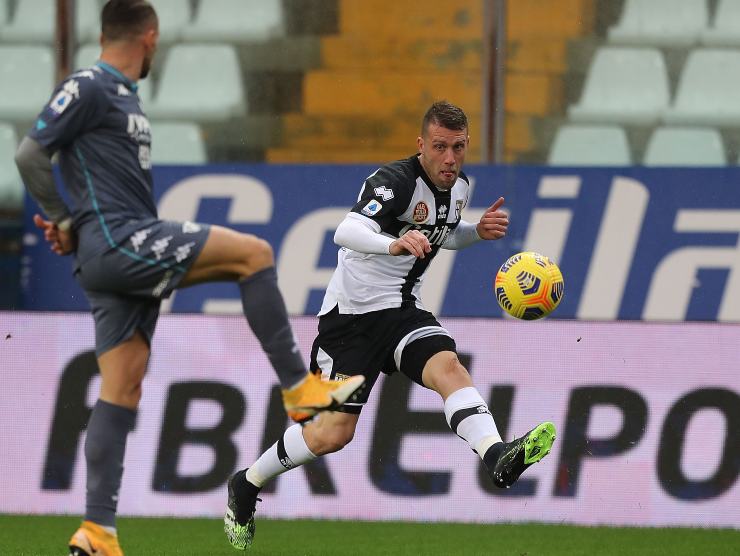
x,y
125,284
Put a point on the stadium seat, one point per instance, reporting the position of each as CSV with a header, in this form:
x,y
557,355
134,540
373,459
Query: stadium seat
x,y
577,145
707,91
177,143
725,27
680,146
664,23
174,16
32,22
11,187
4,12
248,20
88,54
87,21
26,81
199,82
623,85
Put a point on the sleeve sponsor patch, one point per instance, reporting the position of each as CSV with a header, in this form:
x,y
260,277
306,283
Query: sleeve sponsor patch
x,y
372,208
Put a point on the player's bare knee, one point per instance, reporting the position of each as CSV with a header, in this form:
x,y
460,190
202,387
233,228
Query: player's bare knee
x,y
322,440
258,255
446,374
450,367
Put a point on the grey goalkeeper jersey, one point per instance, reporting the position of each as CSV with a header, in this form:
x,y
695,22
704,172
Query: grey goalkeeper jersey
x,y
397,198
96,123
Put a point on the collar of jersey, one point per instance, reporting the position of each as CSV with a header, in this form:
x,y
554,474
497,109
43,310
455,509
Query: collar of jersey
x,y
113,71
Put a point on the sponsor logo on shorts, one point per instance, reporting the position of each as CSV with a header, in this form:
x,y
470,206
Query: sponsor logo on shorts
x,y
372,208
160,246
421,212
190,227
340,376
159,288
138,239
183,252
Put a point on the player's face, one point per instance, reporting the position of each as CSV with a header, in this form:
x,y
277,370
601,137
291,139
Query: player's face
x,y
442,154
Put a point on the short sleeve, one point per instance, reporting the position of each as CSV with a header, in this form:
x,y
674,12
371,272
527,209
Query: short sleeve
x,y
385,195
77,105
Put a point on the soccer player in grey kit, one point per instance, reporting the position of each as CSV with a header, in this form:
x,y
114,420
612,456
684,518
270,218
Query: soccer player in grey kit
x,y
127,260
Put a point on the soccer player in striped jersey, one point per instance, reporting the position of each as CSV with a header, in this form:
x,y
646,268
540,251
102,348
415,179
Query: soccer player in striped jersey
x,y
127,259
372,318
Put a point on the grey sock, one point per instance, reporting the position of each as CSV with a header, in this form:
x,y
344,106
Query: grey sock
x,y
267,316
105,446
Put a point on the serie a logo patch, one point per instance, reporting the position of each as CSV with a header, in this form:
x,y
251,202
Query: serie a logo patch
x,y
372,208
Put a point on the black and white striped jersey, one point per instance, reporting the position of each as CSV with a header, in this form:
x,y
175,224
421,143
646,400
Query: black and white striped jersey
x,y
396,198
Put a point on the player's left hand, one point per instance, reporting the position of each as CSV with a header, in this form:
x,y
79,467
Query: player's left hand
x,y
494,222
62,243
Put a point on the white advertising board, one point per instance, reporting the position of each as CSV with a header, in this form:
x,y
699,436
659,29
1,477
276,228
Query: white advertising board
x,y
647,417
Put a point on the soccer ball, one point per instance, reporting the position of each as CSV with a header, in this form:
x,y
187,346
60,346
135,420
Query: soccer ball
x,y
529,286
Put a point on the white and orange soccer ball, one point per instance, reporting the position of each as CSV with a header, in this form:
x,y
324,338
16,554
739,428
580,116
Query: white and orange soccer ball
x,y
529,286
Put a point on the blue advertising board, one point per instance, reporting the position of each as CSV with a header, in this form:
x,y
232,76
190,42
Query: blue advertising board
x,y
632,243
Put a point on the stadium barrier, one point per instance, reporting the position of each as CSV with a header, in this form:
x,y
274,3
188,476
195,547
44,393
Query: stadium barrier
x,y
647,415
633,243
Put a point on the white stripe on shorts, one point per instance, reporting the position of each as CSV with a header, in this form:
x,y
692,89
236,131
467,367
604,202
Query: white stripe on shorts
x,y
422,332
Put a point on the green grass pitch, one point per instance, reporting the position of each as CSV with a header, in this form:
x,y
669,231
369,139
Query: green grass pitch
x,y
47,536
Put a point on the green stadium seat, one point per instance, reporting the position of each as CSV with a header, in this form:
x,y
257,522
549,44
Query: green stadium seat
x,y
26,81
174,16
199,82
11,186
177,143
4,12
32,22
87,21
577,145
681,146
624,86
236,21
666,23
707,92
725,28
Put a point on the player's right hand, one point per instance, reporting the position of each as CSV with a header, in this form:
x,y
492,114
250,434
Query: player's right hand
x,y
413,243
62,243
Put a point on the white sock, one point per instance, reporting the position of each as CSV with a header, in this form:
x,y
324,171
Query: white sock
x,y
288,452
469,418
